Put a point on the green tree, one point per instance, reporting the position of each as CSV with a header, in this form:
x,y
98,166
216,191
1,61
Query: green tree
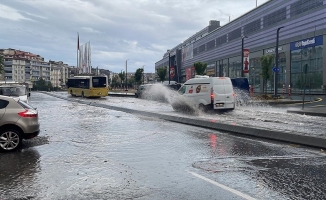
x,y
161,73
122,76
139,75
200,68
42,85
266,69
114,82
1,65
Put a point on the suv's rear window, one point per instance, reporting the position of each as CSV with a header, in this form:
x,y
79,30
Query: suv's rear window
x,y
24,105
3,103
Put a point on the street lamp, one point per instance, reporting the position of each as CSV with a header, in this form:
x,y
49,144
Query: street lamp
x,y
143,75
169,67
242,46
126,75
276,61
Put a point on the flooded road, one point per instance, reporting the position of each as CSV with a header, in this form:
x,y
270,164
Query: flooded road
x,y
86,152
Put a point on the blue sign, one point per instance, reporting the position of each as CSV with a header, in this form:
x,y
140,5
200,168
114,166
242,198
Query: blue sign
x,y
276,69
310,42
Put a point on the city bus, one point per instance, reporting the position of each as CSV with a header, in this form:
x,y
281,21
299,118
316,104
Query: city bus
x,y
88,86
16,90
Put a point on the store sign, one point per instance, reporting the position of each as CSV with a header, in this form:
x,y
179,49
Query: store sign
x,y
273,50
310,42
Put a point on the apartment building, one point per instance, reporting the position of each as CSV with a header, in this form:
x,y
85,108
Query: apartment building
x,y
59,74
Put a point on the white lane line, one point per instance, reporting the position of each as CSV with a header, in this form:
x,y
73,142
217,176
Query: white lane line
x,y
236,192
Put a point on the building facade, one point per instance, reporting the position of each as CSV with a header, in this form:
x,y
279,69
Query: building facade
x,y
301,29
25,67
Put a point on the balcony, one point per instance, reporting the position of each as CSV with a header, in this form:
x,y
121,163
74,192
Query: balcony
x,y
8,68
7,62
8,74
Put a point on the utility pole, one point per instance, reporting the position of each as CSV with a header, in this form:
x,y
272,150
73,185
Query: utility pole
x,y
276,61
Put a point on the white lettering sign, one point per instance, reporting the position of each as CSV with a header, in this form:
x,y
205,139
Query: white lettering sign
x,y
273,50
304,43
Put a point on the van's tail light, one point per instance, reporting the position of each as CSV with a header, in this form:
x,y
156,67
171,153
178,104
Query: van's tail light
x,y
28,113
212,95
234,95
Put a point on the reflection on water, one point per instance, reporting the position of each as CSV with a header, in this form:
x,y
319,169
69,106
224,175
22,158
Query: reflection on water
x,y
18,174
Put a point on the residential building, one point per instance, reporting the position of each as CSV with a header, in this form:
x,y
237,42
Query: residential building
x,y
59,74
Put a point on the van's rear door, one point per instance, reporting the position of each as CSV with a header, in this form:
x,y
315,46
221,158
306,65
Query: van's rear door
x,y
223,92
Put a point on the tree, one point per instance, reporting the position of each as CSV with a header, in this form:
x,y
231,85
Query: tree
x,y
161,73
1,65
139,75
266,69
200,68
42,85
122,76
114,82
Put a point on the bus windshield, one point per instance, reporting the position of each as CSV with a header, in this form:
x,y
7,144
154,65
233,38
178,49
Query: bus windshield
x,y
13,91
99,82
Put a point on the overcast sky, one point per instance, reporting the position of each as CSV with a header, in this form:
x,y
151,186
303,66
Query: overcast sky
x,y
138,30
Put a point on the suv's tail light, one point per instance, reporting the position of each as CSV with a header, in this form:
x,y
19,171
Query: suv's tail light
x,y
27,113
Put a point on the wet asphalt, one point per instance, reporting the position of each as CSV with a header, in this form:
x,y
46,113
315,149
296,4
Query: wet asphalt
x,y
86,152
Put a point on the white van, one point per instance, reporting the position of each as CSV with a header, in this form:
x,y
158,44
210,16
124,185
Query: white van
x,y
209,93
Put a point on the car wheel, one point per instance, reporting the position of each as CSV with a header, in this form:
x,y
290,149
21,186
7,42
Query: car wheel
x,y
10,140
83,96
71,93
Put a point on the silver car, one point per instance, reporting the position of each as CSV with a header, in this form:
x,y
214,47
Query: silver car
x,y
18,121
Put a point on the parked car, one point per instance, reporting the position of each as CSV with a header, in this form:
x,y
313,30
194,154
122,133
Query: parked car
x,y
18,121
206,93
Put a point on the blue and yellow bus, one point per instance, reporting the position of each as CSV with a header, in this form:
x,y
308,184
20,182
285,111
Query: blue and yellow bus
x,y
88,86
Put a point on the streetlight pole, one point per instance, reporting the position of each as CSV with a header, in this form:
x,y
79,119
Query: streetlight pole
x,y
242,46
126,75
143,75
169,68
276,61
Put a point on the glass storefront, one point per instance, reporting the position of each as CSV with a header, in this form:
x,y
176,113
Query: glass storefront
x,y
254,73
307,54
235,68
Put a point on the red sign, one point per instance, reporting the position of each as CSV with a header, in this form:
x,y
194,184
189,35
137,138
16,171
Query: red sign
x,y
245,66
188,73
172,72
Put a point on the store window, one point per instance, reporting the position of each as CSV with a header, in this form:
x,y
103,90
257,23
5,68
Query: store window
x,y
312,58
235,69
254,74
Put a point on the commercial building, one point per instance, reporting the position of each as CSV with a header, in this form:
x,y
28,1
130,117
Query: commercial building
x,y
301,27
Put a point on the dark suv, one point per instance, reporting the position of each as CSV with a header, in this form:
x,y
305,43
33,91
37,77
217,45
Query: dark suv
x,y
18,120
141,89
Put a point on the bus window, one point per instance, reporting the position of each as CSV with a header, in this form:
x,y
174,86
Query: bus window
x,y
99,82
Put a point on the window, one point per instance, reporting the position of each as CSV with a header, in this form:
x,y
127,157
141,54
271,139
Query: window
x,y
201,48
252,27
3,103
210,44
220,40
304,5
275,17
235,34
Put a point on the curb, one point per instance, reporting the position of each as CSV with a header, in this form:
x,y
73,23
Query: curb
x,y
241,130
303,112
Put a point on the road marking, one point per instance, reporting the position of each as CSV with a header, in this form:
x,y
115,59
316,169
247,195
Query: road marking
x,y
317,106
236,192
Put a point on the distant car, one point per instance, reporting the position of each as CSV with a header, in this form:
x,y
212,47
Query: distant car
x,y
141,90
18,121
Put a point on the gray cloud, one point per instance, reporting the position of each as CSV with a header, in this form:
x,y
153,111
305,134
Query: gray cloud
x,y
138,30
